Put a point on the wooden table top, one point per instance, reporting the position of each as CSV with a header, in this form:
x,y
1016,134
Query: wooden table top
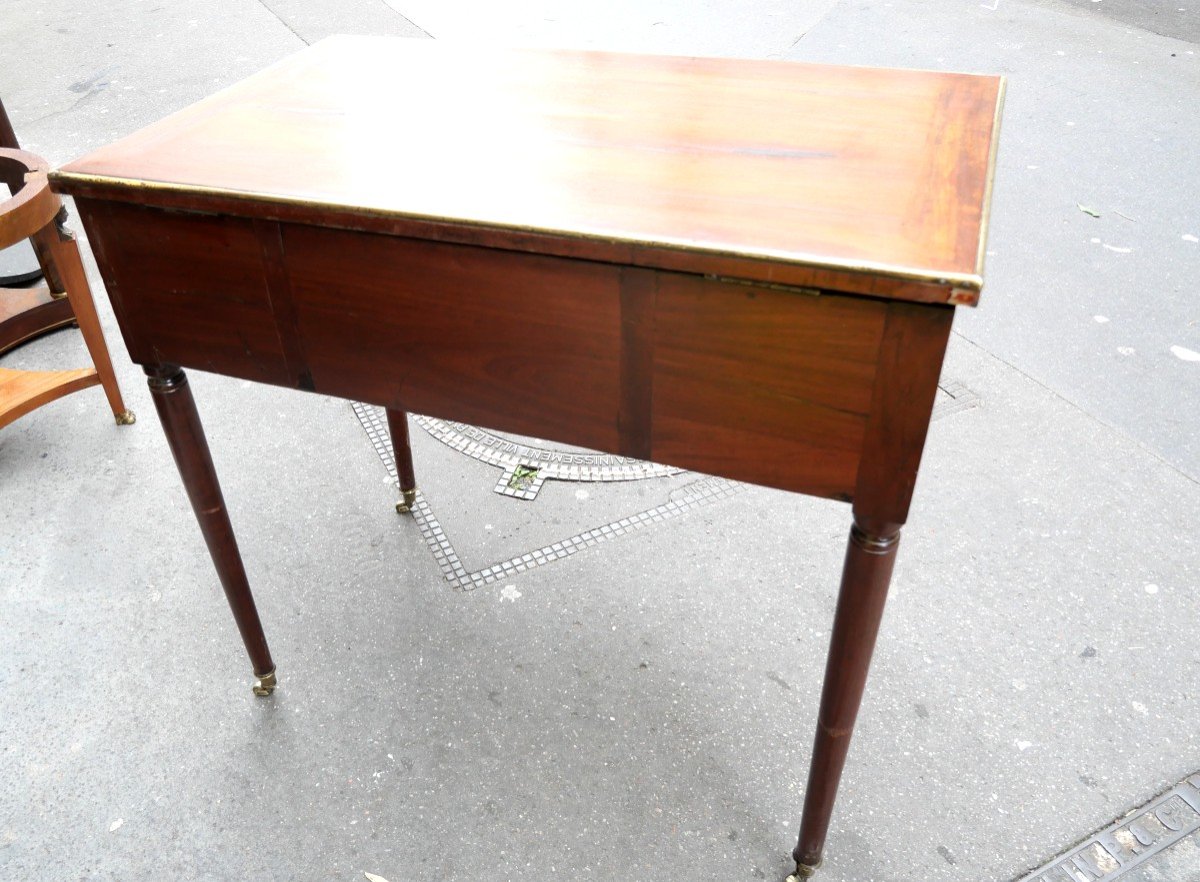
x,y
875,181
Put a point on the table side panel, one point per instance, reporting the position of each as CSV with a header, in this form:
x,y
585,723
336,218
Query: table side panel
x,y
520,343
768,386
753,383
187,289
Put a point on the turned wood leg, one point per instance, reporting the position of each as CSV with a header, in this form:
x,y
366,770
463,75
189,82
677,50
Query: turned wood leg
x,y
185,435
398,426
870,556
59,255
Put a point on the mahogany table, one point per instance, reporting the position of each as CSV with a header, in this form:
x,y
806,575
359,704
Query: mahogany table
x,y
744,268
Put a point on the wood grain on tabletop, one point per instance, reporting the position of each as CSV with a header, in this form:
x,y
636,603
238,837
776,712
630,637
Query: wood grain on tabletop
x,y
824,166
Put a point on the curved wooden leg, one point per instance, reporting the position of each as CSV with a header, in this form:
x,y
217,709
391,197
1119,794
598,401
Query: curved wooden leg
x,y
398,426
185,435
59,255
870,556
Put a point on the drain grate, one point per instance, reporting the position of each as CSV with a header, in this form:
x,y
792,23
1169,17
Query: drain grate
x,y
1131,841
521,482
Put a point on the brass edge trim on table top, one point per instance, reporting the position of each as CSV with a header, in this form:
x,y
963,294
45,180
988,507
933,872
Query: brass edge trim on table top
x,y
993,150
942,279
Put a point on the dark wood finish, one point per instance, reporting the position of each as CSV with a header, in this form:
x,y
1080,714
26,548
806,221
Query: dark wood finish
x,y
185,435
398,427
516,342
17,272
752,382
865,578
635,416
735,267
8,138
909,363
188,290
879,175
762,385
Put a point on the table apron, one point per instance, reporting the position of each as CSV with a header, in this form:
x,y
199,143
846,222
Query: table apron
x,y
775,387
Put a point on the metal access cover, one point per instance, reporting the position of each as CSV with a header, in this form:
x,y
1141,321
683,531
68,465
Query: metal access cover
x,y
1135,839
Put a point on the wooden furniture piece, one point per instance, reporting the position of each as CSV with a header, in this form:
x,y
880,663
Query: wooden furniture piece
x,y
744,268
25,313
36,213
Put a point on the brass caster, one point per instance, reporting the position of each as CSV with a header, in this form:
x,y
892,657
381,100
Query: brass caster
x,y
405,505
265,685
804,871
126,418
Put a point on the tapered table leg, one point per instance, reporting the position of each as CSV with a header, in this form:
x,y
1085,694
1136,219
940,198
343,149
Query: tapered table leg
x,y
185,435
61,264
870,556
398,426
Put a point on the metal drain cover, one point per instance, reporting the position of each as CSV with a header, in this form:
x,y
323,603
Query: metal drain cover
x,y
1135,839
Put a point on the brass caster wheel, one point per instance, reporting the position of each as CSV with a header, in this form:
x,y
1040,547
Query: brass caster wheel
x,y
126,418
405,505
265,685
803,871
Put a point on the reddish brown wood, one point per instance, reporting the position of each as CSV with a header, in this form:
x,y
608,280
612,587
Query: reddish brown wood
x,y
33,204
635,417
723,265
516,342
24,391
188,290
398,427
26,313
64,261
755,383
602,250
909,359
34,213
283,307
177,409
871,173
8,138
909,364
762,385
865,578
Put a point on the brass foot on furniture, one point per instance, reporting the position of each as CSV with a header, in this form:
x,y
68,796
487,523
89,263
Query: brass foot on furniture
x,y
126,418
406,504
266,684
804,871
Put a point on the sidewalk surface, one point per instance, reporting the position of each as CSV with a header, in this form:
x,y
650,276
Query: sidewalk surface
x,y
638,708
